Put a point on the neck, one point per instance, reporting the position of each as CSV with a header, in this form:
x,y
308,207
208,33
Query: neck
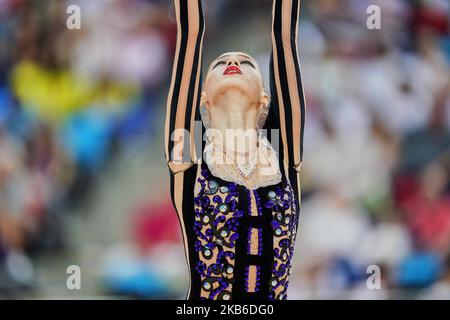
x,y
233,120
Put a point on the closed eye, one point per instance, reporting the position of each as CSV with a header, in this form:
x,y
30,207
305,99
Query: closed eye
x,y
249,63
218,63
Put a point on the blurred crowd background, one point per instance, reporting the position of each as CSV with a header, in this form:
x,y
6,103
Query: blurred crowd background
x,y
83,179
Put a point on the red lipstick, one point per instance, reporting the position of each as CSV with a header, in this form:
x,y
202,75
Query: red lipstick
x,y
232,70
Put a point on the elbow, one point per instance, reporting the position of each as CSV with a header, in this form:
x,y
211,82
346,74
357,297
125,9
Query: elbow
x,y
285,39
277,33
196,31
194,27
284,34
192,31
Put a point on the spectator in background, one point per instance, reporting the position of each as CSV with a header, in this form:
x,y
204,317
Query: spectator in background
x,y
376,181
441,289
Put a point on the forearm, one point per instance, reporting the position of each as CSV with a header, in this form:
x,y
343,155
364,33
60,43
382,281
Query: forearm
x,y
285,19
287,78
189,18
185,89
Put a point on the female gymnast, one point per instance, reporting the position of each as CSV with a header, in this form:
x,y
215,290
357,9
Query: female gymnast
x,y
239,201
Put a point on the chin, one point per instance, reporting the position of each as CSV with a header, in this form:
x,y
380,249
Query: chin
x,y
234,83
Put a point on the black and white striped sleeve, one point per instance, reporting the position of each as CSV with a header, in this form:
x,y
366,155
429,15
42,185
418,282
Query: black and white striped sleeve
x,y
185,87
287,111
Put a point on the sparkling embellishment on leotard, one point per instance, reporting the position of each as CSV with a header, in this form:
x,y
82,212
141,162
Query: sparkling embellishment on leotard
x,y
258,278
258,202
282,203
217,219
216,222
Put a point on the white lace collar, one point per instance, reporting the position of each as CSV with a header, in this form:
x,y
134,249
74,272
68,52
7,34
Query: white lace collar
x,y
267,172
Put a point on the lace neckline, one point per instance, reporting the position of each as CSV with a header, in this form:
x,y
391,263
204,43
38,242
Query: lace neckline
x,y
233,175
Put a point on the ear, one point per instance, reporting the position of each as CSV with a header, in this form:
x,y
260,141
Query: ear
x,y
204,99
265,99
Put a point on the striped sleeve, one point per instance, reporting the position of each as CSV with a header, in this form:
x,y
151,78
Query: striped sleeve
x,y
288,104
184,92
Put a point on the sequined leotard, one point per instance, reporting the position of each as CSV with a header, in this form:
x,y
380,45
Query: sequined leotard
x,y
239,242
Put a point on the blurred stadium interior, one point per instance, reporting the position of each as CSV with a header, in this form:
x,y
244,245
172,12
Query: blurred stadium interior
x,y
83,179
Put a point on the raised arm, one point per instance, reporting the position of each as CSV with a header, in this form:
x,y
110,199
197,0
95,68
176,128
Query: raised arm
x,y
288,104
184,92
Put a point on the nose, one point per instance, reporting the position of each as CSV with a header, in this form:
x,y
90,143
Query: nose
x,y
234,61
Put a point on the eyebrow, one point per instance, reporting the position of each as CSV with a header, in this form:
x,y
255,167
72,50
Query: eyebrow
x,y
226,55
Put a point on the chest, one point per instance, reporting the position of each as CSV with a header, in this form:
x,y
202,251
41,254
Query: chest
x,y
216,195
242,235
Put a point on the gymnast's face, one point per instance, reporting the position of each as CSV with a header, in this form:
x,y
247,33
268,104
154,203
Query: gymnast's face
x,y
234,70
